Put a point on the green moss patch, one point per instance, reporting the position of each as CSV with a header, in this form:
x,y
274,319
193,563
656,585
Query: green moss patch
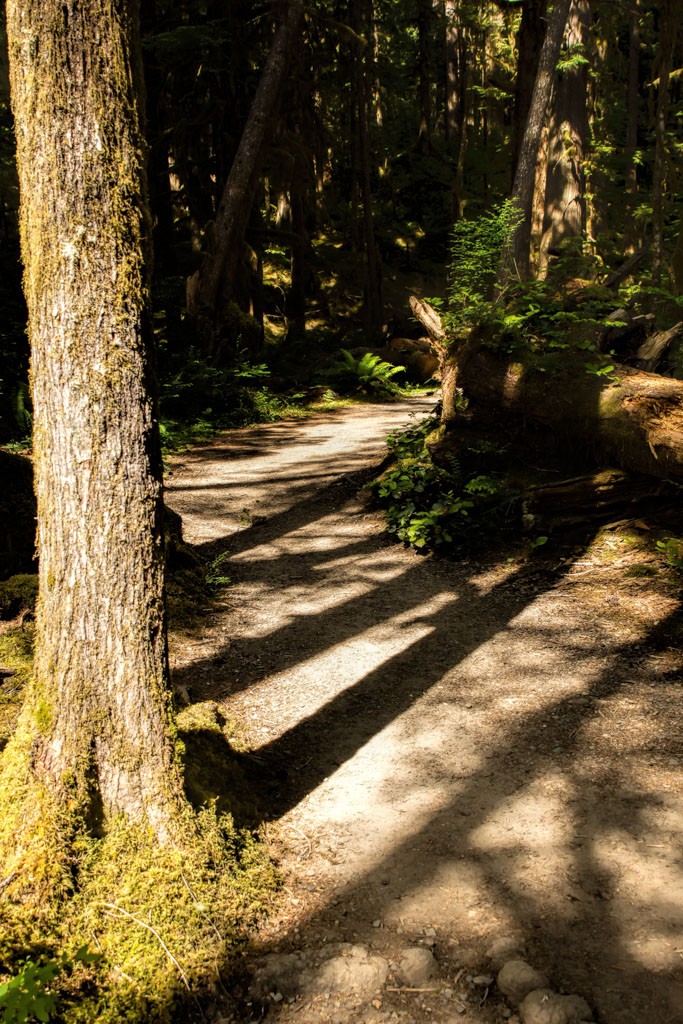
x,y
168,923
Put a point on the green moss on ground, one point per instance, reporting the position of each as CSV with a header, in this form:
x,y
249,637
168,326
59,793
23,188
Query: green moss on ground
x,y
169,922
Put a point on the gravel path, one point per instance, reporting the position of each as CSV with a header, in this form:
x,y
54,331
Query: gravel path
x,y
451,752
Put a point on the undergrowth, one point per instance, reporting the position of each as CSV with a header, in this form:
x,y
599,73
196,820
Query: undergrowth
x,y
466,499
568,311
366,374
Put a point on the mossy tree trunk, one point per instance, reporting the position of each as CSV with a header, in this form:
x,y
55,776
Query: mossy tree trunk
x,y
564,197
98,712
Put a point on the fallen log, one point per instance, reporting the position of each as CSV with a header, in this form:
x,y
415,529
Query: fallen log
x,y
654,348
594,497
619,275
633,419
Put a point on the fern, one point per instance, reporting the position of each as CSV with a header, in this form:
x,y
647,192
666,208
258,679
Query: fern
x,y
476,248
367,373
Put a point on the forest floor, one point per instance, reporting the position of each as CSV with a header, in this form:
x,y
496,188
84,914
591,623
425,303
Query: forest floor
x,y
447,753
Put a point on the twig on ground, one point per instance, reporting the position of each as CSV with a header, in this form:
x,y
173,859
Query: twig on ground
x,y
131,917
8,881
405,989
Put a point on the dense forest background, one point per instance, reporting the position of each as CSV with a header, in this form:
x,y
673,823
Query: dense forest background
x,y
307,165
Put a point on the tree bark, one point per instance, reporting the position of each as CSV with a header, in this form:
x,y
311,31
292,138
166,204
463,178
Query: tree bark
x,y
516,259
425,18
668,30
564,203
677,262
216,278
451,46
373,305
529,43
99,708
633,103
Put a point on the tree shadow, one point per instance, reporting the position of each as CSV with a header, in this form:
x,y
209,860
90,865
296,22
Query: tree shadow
x,y
577,925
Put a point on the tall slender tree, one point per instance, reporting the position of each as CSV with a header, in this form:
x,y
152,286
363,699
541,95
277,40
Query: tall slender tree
x,y
212,286
669,26
516,258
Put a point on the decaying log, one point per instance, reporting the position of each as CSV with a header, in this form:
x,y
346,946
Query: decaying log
x,y
626,269
623,328
429,318
655,347
630,418
633,419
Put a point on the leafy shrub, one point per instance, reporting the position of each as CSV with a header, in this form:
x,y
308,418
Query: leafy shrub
x,y
431,506
672,549
18,594
30,994
476,248
198,399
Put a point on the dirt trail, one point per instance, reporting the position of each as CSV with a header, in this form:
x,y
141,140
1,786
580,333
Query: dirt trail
x,y
453,752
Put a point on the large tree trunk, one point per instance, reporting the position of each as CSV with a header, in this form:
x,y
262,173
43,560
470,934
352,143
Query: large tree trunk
x,y
216,278
564,204
516,260
98,713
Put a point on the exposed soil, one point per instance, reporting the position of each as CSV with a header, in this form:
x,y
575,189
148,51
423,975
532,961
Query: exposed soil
x,y
449,752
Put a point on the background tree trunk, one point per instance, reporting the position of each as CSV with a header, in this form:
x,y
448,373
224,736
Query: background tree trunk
x,y
216,278
669,23
516,260
529,43
425,19
373,304
633,103
564,204
451,46
99,706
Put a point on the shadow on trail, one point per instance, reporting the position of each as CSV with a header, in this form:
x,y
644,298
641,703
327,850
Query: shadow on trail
x,y
575,925
593,810
336,731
